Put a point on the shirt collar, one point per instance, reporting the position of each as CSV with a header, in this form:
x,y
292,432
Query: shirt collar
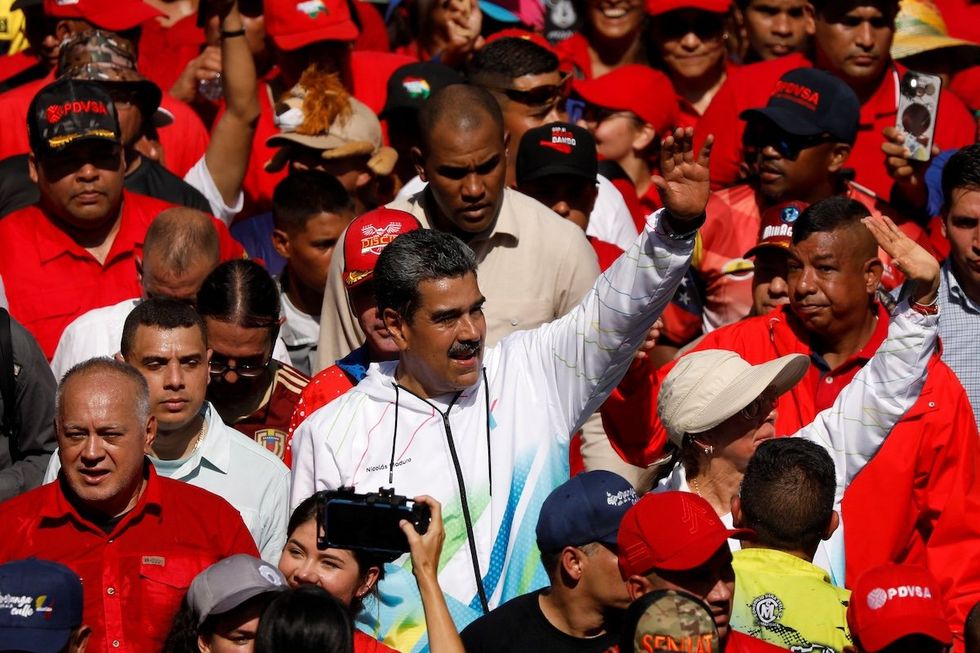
x,y
215,449
507,222
151,502
53,242
773,557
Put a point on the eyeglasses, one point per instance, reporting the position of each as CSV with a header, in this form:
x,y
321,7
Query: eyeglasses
x,y
755,407
539,96
705,25
243,369
787,145
594,114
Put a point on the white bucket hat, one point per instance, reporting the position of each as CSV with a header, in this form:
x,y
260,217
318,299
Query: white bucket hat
x,y
707,387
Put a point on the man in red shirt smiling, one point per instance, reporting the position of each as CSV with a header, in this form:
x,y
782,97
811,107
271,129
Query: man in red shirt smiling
x,y
136,540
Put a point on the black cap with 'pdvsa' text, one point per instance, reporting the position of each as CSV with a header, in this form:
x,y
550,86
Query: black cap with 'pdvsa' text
x,y
68,111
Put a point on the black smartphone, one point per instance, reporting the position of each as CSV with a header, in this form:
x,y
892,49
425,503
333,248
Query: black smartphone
x,y
367,522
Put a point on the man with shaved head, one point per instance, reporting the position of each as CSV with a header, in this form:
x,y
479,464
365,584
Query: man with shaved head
x,y
519,243
180,249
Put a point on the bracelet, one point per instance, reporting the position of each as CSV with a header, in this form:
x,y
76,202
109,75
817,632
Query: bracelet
x,y
669,232
931,308
232,33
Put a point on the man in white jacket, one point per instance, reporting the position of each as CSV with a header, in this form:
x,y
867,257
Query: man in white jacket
x,y
486,433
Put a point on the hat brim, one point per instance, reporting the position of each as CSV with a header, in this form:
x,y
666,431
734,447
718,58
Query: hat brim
x,y
557,169
788,121
771,246
343,31
909,46
383,161
498,13
23,4
780,374
879,634
235,599
115,20
34,640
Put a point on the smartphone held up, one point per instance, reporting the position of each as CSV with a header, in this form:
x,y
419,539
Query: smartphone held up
x,y
918,106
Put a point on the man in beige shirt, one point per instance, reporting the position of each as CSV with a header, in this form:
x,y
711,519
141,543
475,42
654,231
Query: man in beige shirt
x,y
534,266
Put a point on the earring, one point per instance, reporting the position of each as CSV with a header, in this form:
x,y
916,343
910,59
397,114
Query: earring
x,y
709,449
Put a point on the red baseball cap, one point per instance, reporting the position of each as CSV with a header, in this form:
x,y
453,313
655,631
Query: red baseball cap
x,y
674,531
639,89
367,235
293,24
518,33
777,226
113,15
893,601
657,7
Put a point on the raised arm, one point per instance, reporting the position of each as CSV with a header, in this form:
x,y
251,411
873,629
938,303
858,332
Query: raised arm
x,y
231,139
425,551
582,356
866,410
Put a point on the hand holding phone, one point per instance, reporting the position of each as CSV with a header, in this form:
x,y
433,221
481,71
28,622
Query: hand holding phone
x,y
918,106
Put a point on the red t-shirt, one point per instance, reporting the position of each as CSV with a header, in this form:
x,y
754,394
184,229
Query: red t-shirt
x,y
50,280
364,643
135,576
184,142
181,42
269,423
750,87
573,53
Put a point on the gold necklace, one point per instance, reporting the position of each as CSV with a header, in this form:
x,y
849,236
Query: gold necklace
x,y
694,486
200,436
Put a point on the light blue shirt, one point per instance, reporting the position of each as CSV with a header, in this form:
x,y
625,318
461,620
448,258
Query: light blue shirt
x,y
240,471
959,331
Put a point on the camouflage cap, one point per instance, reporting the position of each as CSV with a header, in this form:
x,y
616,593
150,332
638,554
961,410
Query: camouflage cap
x,y
669,620
101,56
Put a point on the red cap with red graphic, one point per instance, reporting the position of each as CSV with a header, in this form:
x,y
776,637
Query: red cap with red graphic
x,y
674,531
366,236
892,601
293,24
113,15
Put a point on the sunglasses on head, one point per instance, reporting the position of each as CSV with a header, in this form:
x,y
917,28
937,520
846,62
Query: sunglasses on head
x,y
788,145
705,25
594,114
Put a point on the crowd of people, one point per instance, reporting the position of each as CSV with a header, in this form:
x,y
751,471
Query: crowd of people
x,y
649,314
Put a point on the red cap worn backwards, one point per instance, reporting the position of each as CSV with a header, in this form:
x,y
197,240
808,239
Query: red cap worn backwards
x,y
893,601
673,531
641,90
113,15
367,235
293,24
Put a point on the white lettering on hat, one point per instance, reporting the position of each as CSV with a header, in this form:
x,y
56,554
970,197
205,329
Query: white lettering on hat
x,y
23,606
878,596
777,230
621,498
66,3
377,238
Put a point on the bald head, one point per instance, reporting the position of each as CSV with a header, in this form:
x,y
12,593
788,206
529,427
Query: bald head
x,y
179,251
459,108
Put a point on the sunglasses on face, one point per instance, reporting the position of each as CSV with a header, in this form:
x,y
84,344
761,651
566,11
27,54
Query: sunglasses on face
x,y
787,145
246,369
705,26
539,96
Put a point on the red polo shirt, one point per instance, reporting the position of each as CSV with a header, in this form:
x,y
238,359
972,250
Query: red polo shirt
x,y
750,87
135,576
50,280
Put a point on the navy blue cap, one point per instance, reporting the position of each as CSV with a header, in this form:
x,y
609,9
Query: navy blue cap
x,y
810,102
40,605
584,509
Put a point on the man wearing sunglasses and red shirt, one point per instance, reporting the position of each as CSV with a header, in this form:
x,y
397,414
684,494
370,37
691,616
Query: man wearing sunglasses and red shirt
x,y
801,141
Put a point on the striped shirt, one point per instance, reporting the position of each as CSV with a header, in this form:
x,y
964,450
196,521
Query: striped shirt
x,y
959,331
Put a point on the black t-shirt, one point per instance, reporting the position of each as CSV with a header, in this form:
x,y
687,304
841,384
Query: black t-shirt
x,y
519,626
150,178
